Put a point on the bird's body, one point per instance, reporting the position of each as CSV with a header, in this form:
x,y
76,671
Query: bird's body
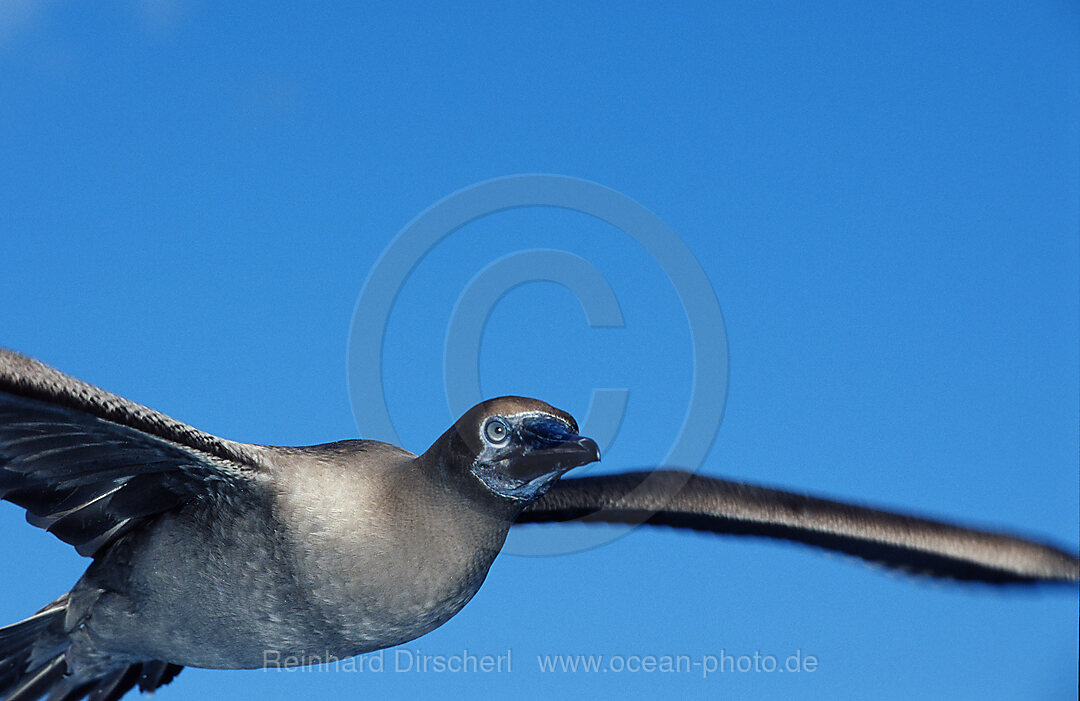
x,y
259,577
212,553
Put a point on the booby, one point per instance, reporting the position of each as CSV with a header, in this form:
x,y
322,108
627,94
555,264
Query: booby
x,y
212,553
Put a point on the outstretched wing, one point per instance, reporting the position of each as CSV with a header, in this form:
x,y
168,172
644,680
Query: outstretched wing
x,y
88,465
683,500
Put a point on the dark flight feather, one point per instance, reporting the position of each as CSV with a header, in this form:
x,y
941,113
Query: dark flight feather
x,y
88,466
683,500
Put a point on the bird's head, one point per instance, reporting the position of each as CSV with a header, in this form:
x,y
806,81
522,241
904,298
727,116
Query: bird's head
x,y
515,447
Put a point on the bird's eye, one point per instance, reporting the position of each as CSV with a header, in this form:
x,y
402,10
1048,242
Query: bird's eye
x,y
496,430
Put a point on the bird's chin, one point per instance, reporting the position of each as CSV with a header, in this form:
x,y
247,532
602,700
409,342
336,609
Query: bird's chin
x,y
524,491
538,485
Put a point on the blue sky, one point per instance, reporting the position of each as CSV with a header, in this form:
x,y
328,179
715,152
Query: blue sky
x,y
884,198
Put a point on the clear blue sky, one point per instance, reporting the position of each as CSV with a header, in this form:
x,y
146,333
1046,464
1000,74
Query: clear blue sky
x,y
884,196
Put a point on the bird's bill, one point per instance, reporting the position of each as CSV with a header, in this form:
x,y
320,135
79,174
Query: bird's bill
x,y
552,449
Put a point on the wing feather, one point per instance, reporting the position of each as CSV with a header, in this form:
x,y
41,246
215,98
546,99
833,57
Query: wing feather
x,y
683,500
88,465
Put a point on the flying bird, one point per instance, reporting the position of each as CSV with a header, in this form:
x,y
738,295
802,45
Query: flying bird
x,y
212,553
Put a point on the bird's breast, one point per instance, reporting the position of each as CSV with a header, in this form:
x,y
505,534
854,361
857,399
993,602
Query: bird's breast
x,y
383,559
